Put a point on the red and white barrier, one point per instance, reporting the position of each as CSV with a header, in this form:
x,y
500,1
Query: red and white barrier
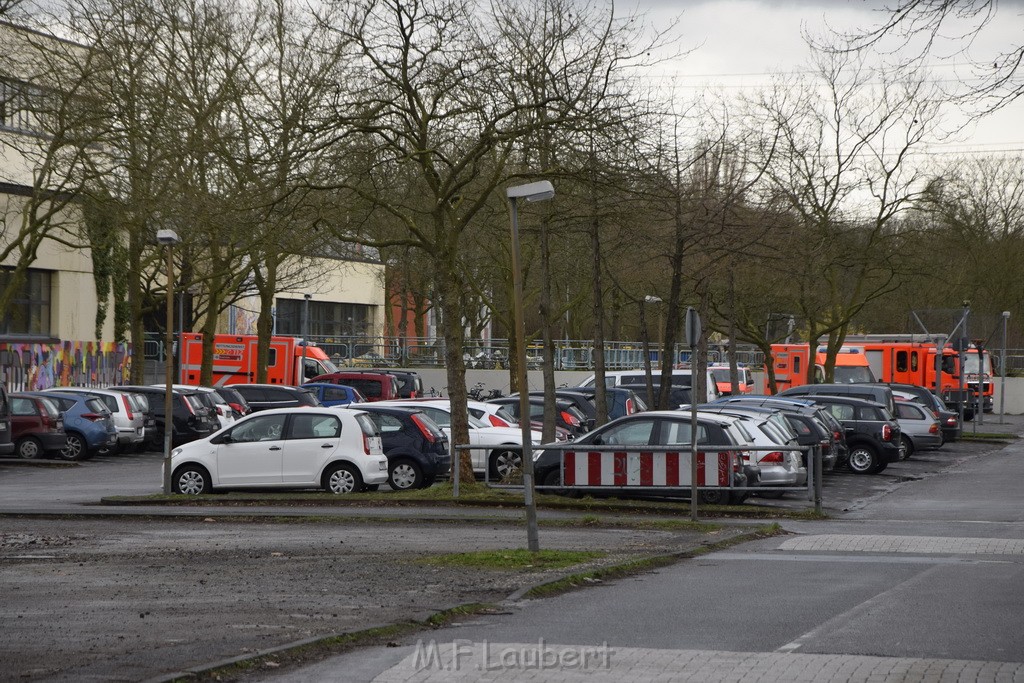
x,y
645,469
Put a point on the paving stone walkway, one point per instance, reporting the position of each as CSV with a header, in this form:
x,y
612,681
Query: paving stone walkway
x,y
904,544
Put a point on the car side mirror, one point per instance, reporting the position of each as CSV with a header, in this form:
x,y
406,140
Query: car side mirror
x,y
223,438
597,441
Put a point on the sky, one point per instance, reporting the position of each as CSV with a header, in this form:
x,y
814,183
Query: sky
x,y
737,45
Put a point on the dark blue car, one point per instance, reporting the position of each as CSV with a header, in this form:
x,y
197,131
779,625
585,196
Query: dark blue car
x,y
335,394
416,447
89,426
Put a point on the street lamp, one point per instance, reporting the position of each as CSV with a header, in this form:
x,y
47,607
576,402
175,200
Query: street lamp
x,y
532,192
1002,380
305,336
649,299
168,238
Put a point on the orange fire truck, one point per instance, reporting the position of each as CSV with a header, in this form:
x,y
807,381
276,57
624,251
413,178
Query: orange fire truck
x,y
791,365
234,359
904,360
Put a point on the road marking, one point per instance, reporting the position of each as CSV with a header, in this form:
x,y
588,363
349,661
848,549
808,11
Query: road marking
x,y
864,559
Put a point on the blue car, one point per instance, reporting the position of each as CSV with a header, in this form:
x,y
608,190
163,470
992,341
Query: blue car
x,y
89,425
335,394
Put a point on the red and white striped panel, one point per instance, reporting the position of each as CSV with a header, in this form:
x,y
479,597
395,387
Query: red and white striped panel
x,y
644,469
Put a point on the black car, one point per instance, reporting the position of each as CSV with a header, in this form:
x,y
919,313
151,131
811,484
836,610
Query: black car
x,y
622,401
567,416
267,396
580,400
872,433
6,443
866,391
678,395
416,447
239,406
633,433
190,419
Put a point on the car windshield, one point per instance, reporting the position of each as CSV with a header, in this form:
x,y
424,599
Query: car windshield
x,y
853,374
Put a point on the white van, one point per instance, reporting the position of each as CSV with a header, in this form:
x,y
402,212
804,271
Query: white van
x,y
680,377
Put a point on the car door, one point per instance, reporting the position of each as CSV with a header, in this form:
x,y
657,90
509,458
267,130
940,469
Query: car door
x,y
252,454
312,440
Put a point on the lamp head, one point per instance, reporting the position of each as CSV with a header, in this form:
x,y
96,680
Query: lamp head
x,y
167,237
532,192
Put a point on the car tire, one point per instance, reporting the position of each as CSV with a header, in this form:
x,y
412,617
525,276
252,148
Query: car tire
x,y
342,478
28,447
552,478
191,480
863,459
771,495
75,448
715,497
404,475
908,446
503,464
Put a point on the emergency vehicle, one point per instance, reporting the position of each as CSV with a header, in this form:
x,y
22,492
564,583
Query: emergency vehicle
x,y
234,359
901,359
791,362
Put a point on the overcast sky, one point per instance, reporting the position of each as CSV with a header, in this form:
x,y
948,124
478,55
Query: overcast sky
x,y
739,43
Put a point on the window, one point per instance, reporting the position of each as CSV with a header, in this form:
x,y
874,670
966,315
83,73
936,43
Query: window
x,y
20,106
675,432
913,361
841,411
636,432
901,361
263,428
315,427
23,406
388,424
335,394
868,413
326,318
29,310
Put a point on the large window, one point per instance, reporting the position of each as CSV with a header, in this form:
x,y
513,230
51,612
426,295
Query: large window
x,y
29,311
20,105
326,319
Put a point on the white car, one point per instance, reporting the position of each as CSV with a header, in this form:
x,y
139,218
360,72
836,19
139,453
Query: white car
x,y
490,458
339,451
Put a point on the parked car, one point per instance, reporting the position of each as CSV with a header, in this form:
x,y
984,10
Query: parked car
x,y
622,400
88,427
270,396
581,400
491,453
410,385
500,415
680,376
872,433
812,424
567,416
190,418
37,427
867,391
131,425
656,428
416,448
214,402
305,447
140,403
375,386
677,395
919,430
239,406
334,395
949,420
6,445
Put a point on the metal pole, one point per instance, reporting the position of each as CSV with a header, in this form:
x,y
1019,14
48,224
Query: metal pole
x,y
1002,379
169,374
181,329
305,337
693,456
532,540
816,453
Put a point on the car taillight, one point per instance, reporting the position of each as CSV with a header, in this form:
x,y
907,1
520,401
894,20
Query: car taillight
x,y
497,421
951,421
737,460
570,419
127,407
934,428
837,435
237,407
629,406
774,456
94,417
427,434
188,405
886,433
366,443
413,394
220,410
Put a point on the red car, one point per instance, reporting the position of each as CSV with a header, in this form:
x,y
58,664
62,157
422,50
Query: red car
x,y
37,426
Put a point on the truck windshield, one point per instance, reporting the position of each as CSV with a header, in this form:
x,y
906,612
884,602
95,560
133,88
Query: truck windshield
x,y
853,374
971,364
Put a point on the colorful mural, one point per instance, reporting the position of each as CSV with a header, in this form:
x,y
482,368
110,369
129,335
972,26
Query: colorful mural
x,y
34,366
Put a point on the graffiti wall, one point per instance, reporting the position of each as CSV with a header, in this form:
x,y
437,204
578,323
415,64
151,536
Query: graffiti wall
x,y
33,366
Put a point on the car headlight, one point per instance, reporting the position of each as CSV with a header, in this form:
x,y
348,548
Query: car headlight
x,y
176,452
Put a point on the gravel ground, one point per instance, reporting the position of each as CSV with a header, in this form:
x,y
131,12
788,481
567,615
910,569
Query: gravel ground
x,y
126,599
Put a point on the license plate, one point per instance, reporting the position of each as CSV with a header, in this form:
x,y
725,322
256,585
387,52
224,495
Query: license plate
x,y
382,465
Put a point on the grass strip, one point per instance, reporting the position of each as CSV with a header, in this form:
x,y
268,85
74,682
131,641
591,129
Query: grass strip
x,y
515,559
601,574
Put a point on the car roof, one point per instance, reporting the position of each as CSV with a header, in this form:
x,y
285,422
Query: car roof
x,y
848,400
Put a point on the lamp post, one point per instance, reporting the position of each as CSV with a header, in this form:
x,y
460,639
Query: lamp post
x,y
168,238
1002,379
305,336
649,299
532,192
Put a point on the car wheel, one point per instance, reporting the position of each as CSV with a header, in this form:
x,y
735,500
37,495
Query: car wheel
x,y
342,478
28,447
75,448
908,446
714,497
504,464
191,480
772,495
863,460
404,475
552,478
